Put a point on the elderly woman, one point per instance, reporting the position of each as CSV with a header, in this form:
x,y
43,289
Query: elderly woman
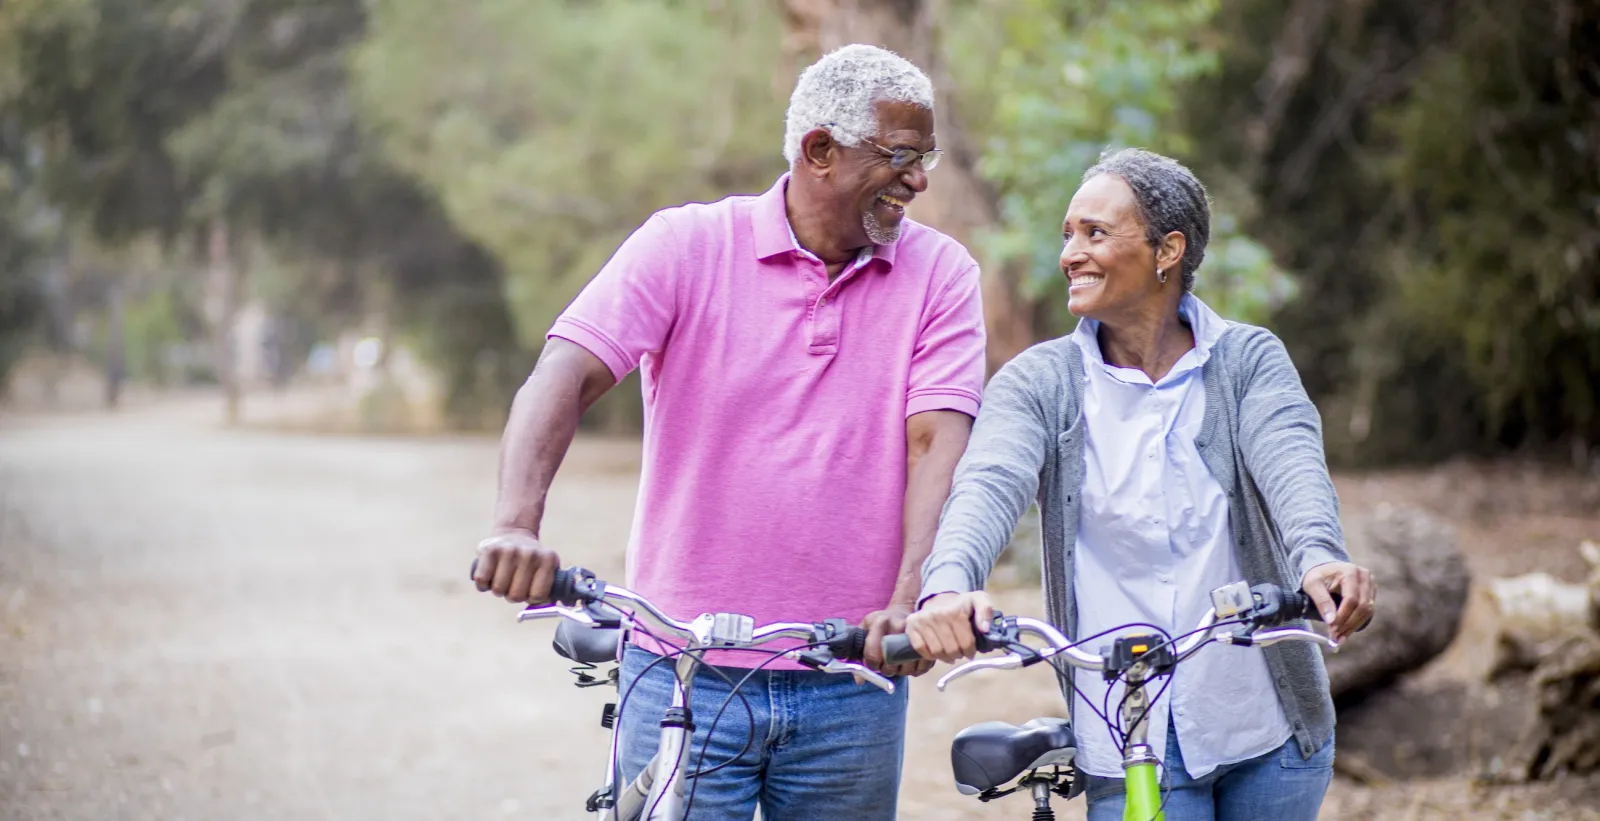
x,y
1171,452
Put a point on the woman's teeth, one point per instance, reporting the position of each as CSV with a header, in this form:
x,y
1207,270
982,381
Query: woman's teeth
x,y
1085,279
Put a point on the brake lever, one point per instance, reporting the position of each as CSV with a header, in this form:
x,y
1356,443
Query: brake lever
x,y
545,611
1267,638
866,673
1006,662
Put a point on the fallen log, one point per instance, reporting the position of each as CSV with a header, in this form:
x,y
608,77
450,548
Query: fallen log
x,y
1535,614
1558,625
1422,591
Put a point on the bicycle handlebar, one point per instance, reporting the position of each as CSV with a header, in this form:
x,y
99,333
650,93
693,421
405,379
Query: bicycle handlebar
x,y
834,646
1265,605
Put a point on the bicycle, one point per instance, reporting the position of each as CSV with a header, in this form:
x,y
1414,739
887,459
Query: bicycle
x,y
594,616
987,757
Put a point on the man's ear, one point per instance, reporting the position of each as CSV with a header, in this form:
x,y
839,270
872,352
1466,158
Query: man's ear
x,y
818,151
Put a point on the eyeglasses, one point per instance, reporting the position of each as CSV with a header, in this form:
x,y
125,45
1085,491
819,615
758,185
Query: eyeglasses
x,y
899,158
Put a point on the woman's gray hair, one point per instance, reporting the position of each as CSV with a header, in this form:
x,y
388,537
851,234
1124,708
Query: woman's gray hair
x,y
840,90
1169,198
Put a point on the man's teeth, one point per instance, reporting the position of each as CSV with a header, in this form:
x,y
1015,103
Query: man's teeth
x,y
898,203
1085,279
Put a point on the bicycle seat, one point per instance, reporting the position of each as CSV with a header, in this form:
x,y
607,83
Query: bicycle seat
x,y
988,755
587,645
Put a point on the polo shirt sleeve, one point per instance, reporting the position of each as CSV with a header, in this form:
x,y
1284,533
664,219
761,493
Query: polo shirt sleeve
x,y
948,363
627,310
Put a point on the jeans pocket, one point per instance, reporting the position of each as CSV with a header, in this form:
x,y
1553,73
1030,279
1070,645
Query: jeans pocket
x,y
1291,759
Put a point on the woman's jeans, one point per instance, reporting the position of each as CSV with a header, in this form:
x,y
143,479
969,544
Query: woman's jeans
x,y
823,746
1280,785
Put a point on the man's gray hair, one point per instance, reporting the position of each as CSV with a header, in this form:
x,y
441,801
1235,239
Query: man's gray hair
x,y
1169,198
841,88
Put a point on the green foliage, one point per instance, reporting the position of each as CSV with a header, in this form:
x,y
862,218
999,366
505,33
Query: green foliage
x,y
1050,84
1505,265
154,324
1432,172
25,231
158,117
550,130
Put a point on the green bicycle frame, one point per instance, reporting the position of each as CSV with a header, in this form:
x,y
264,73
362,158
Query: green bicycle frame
x,y
1143,793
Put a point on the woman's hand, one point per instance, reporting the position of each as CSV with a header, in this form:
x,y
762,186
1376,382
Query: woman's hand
x,y
943,628
1352,582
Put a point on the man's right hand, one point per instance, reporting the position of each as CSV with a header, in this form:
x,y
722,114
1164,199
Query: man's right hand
x,y
516,567
942,628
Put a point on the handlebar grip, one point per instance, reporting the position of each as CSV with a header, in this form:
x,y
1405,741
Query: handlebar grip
x,y
1300,606
562,588
897,649
571,585
852,644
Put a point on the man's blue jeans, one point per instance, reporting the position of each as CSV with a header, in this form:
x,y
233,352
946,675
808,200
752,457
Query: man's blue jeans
x,y
823,746
1281,785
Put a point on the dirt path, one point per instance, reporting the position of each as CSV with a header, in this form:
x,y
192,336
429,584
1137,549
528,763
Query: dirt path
x,y
207,624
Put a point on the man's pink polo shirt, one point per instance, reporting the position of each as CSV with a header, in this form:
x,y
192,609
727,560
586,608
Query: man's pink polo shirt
x,y
775,404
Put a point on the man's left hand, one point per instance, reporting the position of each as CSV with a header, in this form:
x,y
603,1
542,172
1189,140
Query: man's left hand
x,y
889,621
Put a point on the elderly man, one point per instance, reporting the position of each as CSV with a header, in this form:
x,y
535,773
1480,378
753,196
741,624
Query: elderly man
x,y
812,360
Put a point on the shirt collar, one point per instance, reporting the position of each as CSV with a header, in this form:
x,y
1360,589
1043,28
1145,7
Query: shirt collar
x,y
1204,323
769,220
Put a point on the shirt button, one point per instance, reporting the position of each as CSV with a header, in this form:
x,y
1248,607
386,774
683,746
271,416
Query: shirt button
x,y
824,301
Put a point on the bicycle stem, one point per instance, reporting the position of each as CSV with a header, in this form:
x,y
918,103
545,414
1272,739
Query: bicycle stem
x,y
1139,759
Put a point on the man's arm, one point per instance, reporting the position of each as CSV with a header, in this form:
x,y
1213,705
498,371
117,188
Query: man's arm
x,y
935,441
543,420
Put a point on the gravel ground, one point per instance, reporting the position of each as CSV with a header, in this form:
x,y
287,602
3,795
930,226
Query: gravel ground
x,y
198,623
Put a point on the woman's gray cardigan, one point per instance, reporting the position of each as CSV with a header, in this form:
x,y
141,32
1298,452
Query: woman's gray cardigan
x,y
1261,438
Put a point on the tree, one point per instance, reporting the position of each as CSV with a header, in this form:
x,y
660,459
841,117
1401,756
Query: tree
x,y
21,245
222,126
1430,172
552,130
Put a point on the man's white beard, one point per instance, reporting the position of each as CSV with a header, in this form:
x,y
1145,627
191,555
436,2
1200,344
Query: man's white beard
x,y
878,234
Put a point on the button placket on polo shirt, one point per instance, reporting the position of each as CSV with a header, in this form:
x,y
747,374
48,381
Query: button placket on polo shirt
x,y
823,306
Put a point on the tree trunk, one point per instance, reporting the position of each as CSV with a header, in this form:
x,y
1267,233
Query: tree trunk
x,y
1422,592
957,201
116,364
225,277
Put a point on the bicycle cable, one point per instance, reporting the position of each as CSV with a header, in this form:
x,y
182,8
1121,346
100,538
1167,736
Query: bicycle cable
x,y
776,654
1115,727
697,653
1068,672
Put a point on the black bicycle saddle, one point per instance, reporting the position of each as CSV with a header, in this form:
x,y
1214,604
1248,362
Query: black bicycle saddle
x,y
587,645
988,755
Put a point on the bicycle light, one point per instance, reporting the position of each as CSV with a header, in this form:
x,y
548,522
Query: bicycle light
x,y
1232,599
723,629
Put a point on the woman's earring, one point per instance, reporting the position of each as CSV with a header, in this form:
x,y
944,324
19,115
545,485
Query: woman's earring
x,y
1161,276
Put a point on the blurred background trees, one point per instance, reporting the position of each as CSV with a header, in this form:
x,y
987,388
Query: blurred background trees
x,y
1408,193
